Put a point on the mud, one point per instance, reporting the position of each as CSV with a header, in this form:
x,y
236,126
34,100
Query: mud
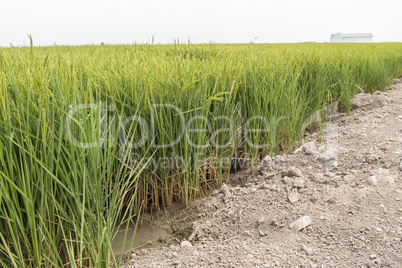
x,y
146,236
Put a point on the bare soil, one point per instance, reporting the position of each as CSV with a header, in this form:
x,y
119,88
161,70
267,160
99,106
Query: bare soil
x,y
348,210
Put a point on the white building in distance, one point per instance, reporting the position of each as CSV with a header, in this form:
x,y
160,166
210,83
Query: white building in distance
x,y
351,38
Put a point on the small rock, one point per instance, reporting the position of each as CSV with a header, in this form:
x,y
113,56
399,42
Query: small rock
x,y
400,166
309,251
310,148
315,198
292,172
301,223
267,159
274,222
286,180
372,181
262,233
373,256
185,244
268,175
325,158
293,196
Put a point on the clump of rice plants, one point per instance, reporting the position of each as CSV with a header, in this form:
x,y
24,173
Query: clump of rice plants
x,y
91,136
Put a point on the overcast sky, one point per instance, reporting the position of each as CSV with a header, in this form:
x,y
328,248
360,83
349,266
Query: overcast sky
x,y
221,21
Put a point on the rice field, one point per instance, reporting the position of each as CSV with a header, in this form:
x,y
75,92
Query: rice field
x,y
92,136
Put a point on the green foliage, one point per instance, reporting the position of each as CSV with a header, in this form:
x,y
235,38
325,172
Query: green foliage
x,y
61,204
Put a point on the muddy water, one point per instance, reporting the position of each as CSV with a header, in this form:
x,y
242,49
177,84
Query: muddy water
x,y
147,236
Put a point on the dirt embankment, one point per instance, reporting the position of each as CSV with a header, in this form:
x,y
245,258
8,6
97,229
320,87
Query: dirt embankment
x,y
320,206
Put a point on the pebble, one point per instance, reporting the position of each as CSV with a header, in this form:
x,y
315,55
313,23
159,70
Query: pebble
x,y
185,244
325,158
301,223
309,251
262,233
287,180
292,172
373,256
269,175
372,181
400,166
162,239
267,159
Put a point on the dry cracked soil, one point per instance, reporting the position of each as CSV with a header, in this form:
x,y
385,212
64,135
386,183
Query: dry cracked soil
x,y
334,202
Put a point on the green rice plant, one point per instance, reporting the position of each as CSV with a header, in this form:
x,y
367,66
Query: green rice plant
x,y
70,175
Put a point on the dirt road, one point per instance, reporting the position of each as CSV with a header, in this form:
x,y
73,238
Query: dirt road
x,y
309,208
